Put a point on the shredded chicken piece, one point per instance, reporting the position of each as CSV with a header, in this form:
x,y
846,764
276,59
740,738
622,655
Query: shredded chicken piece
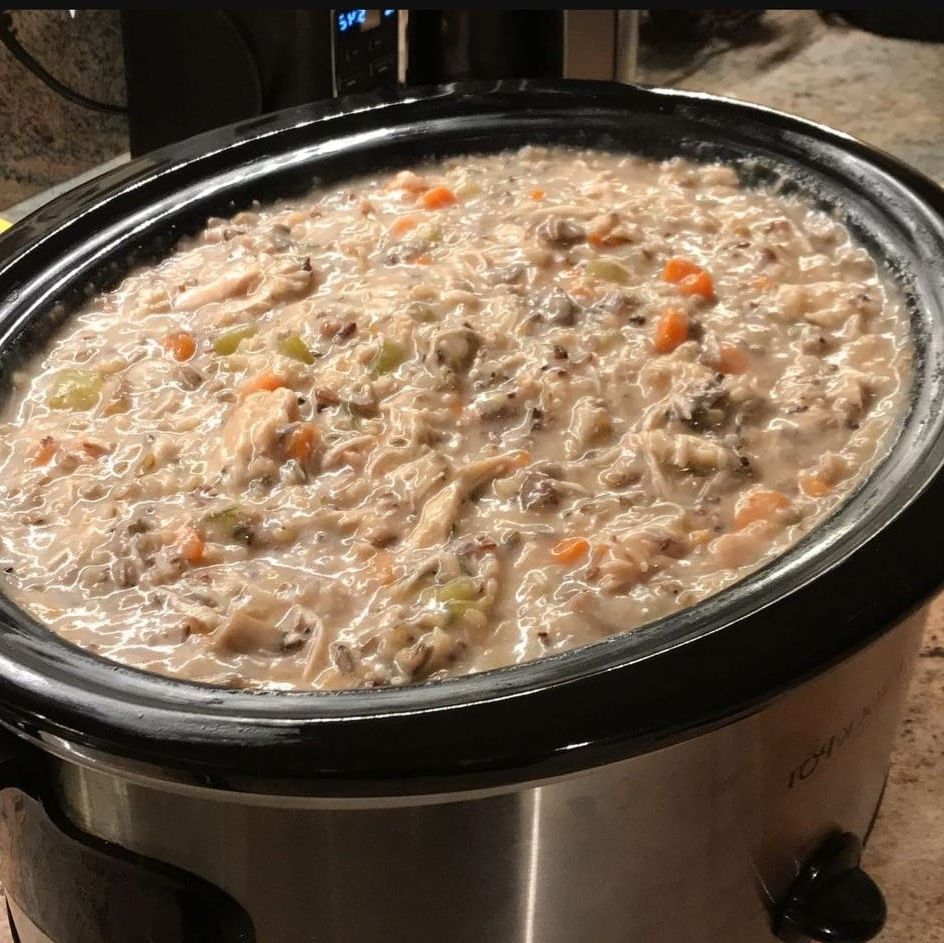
x,y
440,512
228,285
252,440
686,452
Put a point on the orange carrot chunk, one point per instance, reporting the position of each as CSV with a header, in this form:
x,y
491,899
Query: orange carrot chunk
x,y
814,486
570,550
181,345
193,547
732,360
403,225
759,505
301,442
437,198
700,284
536,194
671,330
45,451
263,383
676,269
94,449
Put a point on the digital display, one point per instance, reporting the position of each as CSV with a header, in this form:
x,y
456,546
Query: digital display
x,y
362,20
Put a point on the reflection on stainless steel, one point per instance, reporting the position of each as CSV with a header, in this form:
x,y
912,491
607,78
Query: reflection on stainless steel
x,y
589,48
668,846
627,45
534,839
540,864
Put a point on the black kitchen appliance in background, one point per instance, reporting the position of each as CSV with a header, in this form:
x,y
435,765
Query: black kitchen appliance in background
x,y
192,70
454,45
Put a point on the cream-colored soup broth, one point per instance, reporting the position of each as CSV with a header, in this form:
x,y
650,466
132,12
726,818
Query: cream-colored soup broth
x,y
431,422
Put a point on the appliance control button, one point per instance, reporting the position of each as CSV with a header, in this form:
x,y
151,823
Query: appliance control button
x,y
352,53
382,67
832,900
347,83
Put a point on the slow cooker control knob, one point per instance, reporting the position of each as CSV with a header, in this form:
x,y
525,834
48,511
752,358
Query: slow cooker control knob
x,y
832,900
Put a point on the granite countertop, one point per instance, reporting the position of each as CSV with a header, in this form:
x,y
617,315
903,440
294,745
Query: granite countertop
x,y
45,139
889,92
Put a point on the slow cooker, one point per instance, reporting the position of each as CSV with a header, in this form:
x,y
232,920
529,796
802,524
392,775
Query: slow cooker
x,y
710,777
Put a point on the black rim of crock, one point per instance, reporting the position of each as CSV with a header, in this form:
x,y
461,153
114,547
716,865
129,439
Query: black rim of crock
x,y
849,581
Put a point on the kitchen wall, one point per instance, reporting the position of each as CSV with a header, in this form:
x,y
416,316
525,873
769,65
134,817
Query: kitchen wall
x,y
45,139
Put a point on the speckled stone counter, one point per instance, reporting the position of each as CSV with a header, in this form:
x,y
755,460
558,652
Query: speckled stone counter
x,y
889,92
886,91
45,139
906,851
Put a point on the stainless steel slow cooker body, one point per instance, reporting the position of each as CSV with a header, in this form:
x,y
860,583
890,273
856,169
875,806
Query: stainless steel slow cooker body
x,y
709,777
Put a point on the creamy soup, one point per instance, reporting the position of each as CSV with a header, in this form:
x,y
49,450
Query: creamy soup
x,y
426,423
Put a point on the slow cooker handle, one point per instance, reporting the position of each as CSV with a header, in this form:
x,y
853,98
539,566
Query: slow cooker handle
x,y
833,900
73,887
